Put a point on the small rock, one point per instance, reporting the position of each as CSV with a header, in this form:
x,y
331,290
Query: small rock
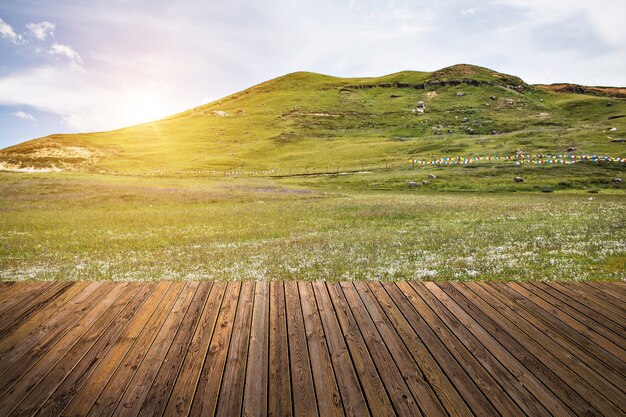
x,y
493,97
546,190
572,149
432,176
494,132
613,129
609,104
413,184
465,120
520,152
418,110
426,182
420,104
394,96
460,94
518,179
617,180
618,140
470,131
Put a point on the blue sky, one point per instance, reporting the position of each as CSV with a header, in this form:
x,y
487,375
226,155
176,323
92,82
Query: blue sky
x,y
87,65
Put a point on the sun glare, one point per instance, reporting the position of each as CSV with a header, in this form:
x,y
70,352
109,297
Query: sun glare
x,y
141,106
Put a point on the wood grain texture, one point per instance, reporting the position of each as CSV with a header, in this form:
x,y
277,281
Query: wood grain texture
x,y
312,349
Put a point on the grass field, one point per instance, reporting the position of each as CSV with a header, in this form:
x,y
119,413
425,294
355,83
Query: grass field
x,y
93,227
310,177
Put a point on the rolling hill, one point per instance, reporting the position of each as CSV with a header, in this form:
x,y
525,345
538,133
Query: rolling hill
x,y
304,121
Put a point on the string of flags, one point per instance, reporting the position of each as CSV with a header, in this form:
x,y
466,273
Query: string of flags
x,y
217,172
522,159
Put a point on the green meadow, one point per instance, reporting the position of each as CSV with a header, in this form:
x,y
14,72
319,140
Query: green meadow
x,y
89,227
310,177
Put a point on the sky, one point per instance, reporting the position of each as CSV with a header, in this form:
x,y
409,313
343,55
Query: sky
x,y
90,65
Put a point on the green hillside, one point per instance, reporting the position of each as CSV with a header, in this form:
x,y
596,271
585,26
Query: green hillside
x,y
306,122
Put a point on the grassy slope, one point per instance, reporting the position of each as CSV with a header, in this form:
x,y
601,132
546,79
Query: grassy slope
x,y
310,121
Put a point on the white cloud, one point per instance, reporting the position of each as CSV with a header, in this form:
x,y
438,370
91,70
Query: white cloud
x,y
68,52
7,32
41,30
24,116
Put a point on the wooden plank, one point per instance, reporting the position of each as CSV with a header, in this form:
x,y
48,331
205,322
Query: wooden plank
x,y
470,382
327,392
544,346
615,291
94,341
107,383
393,378
231,393
87,373
567,346
112,394
561,384
411,372
591,341
279,392
207,392
302,387
21,383
20,313
469,356
19,360
483,347
442,386
159,392
371,382
38,340
136,392
37,321
21,293
182,394
579,312
596,304
255,387
354,403
608,299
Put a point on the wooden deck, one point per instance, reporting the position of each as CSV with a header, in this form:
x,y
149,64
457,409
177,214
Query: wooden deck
x,y
302,349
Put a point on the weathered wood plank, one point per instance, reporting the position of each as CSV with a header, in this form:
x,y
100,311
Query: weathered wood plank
x,y
138,388
207,392
91,375
279,394
19,383
443,387
110,395
327,392
445,340
393,378
588,338
159,393
36,322
338,349
231,393
557,357
304,401
95,341
352,397
255,388
182,394
371,382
